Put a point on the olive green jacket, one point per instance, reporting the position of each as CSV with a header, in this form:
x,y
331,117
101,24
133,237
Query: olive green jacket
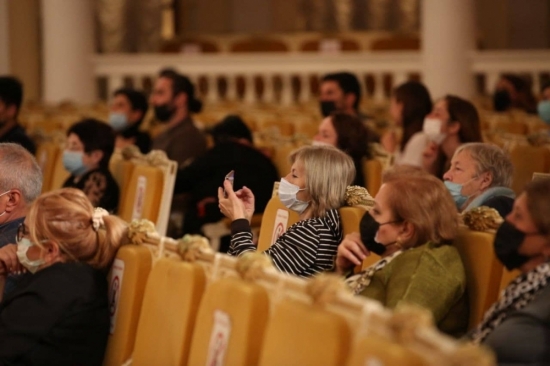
x,y
431,276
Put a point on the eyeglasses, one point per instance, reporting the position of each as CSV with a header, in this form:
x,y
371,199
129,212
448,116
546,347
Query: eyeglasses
x,y
21,231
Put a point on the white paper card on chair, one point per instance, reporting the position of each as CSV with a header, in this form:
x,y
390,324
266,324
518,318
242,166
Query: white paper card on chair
x,y
140,197
115,285
281,220
219,339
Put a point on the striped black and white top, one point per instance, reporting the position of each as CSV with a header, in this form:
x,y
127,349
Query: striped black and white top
x,y
306,248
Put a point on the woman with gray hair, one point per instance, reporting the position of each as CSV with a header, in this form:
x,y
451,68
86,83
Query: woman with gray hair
x,y
314,188
481,175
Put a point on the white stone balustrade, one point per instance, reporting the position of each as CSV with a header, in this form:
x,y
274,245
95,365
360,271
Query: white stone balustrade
x,y
287,66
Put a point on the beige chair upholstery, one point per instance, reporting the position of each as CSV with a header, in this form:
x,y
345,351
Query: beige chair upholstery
x,y
230,324
172,297
127,286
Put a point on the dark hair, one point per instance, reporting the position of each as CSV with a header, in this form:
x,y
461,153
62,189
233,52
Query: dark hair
x,y
11,91
231,126
182,84
352,135
348,82
95,135
137,100
538,194
545,86
464,112
417,104
526,100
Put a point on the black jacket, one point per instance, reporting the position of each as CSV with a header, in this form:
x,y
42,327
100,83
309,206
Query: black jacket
x,y
58,316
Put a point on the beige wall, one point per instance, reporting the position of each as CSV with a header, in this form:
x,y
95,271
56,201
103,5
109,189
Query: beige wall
x,y
24,48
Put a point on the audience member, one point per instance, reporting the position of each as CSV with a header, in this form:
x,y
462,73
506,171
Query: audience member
x,y
173,99
411,226
513,92
481,175
341,92
347,133
543,108
314,188
11,97
59,315
90,144
409,105
128,109
20,184
233,150
517,326
452,122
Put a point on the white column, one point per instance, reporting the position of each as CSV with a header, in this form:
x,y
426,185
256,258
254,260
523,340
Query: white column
x,y
4,38
249,89
68,46
448,37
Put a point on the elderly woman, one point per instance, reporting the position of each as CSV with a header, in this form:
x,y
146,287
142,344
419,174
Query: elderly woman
x,y
349,134
453,121
481,175
59,313
517,326
411,226
315,189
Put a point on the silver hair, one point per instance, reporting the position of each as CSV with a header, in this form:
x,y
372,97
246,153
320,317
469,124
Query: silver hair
x,y
19,170
492,159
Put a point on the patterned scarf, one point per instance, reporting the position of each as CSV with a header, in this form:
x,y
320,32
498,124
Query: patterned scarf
x,y
358,282
518,294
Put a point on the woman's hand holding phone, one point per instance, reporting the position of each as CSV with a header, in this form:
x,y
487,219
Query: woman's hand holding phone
x,y
235,205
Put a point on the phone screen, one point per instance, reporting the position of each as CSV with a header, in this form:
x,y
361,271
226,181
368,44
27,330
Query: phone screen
x,y
231,178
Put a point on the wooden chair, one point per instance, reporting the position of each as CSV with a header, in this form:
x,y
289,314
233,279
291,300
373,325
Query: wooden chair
x,y
126,290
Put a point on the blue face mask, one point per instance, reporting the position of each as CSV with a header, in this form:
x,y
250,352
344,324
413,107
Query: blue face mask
x,y
118,121
72,161
456,192
544,110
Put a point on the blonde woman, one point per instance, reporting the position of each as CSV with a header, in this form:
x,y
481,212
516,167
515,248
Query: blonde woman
x,y
59,313
315,189
411,226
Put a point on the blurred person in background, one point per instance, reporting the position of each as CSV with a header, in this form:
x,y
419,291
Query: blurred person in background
x,y
514,92
452,122
11,97
127,111
543,107
90,144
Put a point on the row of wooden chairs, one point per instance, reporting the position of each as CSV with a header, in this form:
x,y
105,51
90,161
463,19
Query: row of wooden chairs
x,y
146,182
177,303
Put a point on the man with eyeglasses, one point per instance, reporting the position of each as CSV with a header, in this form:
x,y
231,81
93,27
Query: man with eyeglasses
x,y
20,185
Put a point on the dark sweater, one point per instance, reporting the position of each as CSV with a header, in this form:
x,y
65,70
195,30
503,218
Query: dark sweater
x,y
58,316
99,186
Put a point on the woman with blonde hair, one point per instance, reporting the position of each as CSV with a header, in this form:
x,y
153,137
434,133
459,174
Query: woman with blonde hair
x,y
411,226
315,189
59,313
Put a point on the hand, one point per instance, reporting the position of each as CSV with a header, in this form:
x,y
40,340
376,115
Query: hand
x,y
429,156
8,260
351,252
232,206
247,197
389,141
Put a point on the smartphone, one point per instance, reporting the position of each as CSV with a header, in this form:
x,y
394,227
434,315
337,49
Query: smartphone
x,y
231,178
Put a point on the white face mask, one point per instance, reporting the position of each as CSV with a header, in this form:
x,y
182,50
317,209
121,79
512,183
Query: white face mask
x,y
287,195
432,129
23,246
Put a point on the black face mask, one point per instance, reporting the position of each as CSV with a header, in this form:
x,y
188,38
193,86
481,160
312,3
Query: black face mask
x,y
368,228
507,242
327,107
164,112
501,100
